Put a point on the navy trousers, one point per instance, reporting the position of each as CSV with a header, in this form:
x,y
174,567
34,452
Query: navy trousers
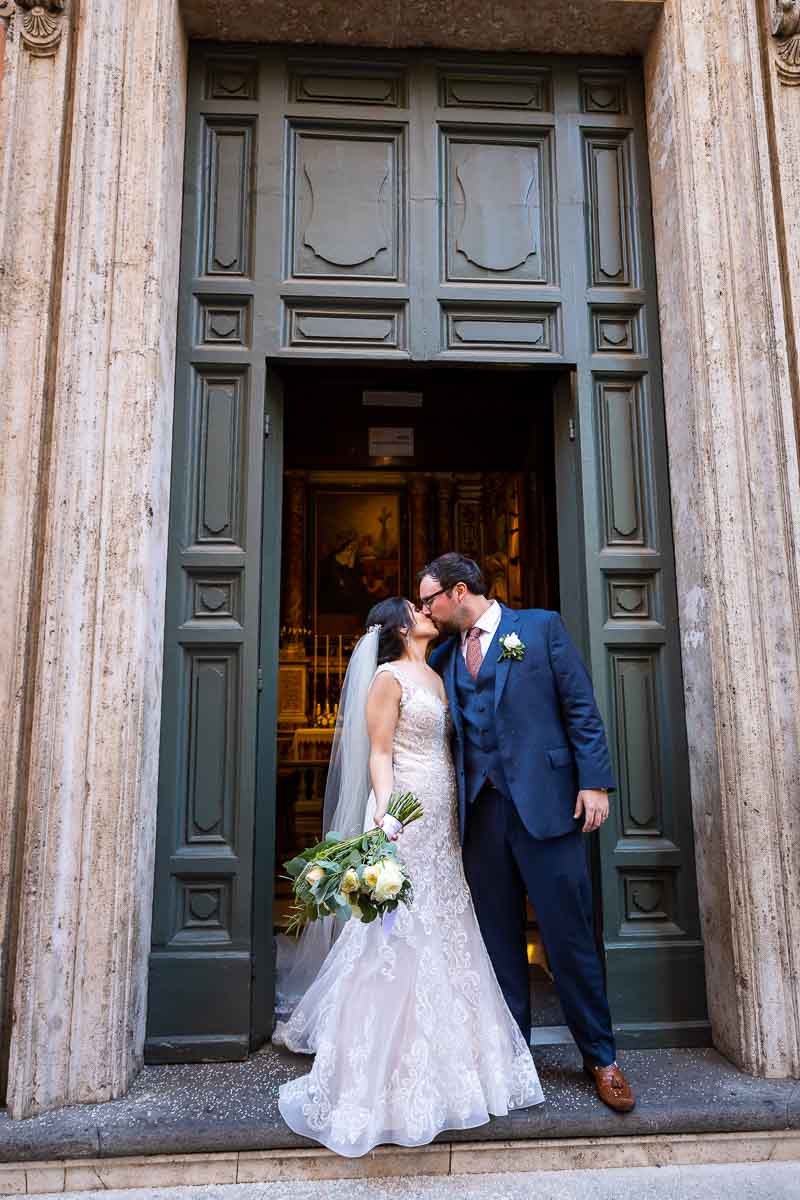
x,y
502,862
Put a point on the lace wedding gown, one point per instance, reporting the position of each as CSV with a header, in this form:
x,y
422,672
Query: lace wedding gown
x,y
410,1029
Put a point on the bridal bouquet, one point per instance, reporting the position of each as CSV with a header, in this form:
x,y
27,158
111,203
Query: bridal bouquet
x,y
358,877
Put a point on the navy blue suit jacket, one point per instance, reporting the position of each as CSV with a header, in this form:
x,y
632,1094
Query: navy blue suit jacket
x,y
550,734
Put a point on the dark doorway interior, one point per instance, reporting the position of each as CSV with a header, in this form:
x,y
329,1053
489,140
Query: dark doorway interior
x,y
384,469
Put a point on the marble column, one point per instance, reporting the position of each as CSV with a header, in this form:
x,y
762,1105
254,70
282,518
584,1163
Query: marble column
x,y
728,376
33,117
90,796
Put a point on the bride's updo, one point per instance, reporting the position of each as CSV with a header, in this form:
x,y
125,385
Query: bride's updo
x,y
393,616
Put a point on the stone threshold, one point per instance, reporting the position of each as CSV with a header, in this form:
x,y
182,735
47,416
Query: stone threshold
x,y
200,1111
441,1158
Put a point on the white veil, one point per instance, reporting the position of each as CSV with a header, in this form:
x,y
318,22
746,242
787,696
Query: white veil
x,y
345,810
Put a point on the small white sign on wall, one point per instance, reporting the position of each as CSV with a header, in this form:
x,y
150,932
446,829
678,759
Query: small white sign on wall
x,y
391,443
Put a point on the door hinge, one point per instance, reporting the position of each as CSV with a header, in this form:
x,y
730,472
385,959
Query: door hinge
x,y
260,679
571,429
267,422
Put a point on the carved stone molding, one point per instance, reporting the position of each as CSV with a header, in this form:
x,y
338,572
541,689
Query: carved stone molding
x,y
40,24
786,28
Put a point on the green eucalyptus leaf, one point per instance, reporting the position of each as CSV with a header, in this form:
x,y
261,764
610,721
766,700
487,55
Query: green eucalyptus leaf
x,y
295,865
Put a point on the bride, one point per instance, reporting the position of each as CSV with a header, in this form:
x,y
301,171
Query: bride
x,y
410,1030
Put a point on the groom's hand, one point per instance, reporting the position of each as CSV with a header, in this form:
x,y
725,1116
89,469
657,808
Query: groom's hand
x,y
592,804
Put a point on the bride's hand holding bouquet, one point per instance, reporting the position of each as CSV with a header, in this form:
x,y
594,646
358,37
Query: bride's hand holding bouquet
x,y
359,877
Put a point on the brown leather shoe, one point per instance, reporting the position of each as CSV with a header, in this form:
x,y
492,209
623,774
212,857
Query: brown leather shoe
x,y
612,1087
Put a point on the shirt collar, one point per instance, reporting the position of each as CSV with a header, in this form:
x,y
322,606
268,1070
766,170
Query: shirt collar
x,y
487,621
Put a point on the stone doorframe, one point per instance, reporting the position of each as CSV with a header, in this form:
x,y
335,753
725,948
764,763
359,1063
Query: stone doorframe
x,y
91,144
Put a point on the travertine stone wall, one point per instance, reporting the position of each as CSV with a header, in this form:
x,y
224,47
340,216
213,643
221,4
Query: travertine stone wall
x,y
33,100
736,505
86,891
543,26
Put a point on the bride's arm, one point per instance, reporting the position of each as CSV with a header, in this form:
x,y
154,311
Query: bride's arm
x,y
383,710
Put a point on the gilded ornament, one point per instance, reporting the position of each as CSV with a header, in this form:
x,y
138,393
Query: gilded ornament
x,y
786,28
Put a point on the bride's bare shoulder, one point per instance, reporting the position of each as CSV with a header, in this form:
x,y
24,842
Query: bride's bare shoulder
x,y
386,681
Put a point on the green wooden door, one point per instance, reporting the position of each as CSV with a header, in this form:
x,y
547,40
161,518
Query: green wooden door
x,y
615,436
210,907
402,208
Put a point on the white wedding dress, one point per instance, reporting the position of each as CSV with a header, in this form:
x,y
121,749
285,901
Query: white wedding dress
x,y
410,1030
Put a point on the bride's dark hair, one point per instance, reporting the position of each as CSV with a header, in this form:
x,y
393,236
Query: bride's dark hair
x,y
392,615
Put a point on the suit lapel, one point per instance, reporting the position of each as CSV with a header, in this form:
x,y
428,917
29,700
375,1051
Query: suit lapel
x,y
508,621
449,675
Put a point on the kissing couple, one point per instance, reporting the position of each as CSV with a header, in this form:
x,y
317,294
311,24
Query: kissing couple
x,y
426,1027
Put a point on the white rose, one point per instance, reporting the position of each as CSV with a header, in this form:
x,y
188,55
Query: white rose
x,y
371,875
314,875
349,881
511,641
390,881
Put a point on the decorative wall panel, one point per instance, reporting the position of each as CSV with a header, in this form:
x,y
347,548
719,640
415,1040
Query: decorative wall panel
x,y
214,597
202,910
648,903
348,327
222,321
638,754
603,92
334,82
498,207
621,447
631,597
528,329
612,251
617,330
526,90
228,149
347,202
232,78
210,765
219,400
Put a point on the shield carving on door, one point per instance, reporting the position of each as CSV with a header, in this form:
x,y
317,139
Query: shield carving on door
x,y
346,181
497,182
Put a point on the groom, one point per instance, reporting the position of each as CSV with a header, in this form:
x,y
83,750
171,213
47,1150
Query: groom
x,y
531,761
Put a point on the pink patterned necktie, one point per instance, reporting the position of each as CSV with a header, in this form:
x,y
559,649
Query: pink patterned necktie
x,y
474,653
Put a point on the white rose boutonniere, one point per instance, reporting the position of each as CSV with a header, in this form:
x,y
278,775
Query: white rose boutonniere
x,y
512,648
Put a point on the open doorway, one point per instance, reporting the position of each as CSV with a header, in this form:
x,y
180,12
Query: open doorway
x,y
383,470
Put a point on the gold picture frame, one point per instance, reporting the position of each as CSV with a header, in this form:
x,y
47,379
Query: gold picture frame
x,y
359,554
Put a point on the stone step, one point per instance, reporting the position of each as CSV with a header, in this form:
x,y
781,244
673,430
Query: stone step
x,y
440,1159
219,1123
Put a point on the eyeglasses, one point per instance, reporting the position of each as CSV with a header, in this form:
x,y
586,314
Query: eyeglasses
x,y
428,601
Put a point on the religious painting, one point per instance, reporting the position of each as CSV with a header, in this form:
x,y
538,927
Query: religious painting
x,y
359,538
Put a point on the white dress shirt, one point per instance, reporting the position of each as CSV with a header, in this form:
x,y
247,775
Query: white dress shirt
x,y
487,623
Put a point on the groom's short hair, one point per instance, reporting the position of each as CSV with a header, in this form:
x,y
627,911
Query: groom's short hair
x,y
451,568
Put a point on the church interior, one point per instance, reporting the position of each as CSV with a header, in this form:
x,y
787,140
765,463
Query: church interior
x,y
383,470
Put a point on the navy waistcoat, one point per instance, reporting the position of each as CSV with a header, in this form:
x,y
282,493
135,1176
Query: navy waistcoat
x,y
482,761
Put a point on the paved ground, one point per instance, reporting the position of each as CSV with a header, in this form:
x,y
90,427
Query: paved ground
x,y
759,1181
201,1108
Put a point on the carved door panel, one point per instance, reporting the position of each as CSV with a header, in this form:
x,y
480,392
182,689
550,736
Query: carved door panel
x,y
400,208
